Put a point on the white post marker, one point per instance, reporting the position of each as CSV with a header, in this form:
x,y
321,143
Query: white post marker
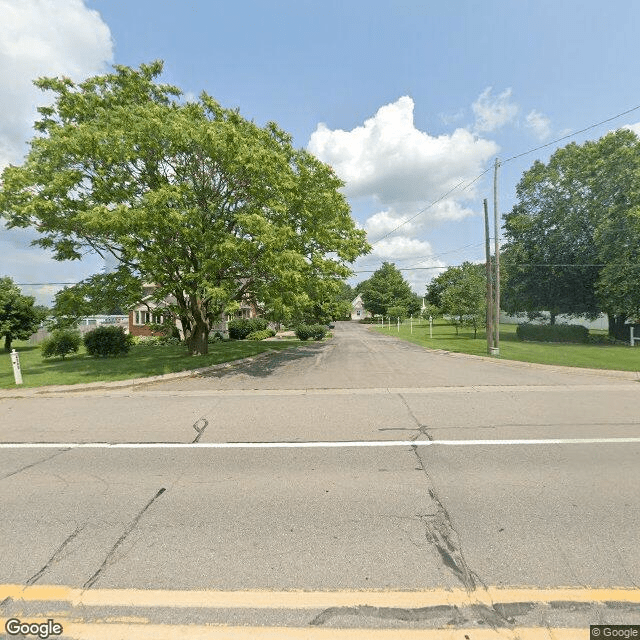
x,y
15,361
412,324
431,326
398,324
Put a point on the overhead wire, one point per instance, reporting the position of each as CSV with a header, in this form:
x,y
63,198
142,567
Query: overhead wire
x,y
501,162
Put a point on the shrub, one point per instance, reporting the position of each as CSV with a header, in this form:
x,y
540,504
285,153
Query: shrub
x,y
240,329
153,341
261,335
61,343
215,337
553,332
315,331
107,341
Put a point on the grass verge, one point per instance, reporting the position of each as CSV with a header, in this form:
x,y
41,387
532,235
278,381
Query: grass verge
x,y
142,361
617,357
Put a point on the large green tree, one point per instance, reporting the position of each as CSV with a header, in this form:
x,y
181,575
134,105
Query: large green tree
x,y
571,240
190,196
386,289
19,316
460,293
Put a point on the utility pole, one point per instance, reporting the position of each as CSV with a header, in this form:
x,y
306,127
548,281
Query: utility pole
x,y
487,245
496,307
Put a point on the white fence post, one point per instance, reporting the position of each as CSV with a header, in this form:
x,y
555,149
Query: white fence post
x,y
15,361
632,339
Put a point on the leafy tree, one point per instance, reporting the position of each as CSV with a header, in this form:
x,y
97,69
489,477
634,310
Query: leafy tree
x,y
208,206
462,295
573,214
19,317
103,293
385,289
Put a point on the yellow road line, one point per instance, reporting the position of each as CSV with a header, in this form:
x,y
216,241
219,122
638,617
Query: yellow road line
x,y
81,631
265,599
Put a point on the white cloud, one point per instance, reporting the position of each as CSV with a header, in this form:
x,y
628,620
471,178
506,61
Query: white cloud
x,y
43,38
397,164
402,251
493,112
633,127
539,124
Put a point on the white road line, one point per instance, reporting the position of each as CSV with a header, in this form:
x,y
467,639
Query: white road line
x,y
310,445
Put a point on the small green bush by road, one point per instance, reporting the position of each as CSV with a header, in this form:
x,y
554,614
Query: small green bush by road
x,y
241,328
315,331
61,343
553,332
142,361
261,335
594,356
106,341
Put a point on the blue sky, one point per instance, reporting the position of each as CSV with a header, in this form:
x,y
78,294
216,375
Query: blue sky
x,y
404,99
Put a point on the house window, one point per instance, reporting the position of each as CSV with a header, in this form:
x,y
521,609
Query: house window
x,y
358,312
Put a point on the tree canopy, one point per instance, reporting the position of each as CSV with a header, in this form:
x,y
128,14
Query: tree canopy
x,y
387,289
189,196
460,293
573,238
19,316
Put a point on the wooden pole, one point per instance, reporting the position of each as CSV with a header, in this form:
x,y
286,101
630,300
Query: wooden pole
x,y
487,245
496,304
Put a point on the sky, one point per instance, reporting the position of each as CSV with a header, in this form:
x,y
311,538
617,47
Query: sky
x,y
409,101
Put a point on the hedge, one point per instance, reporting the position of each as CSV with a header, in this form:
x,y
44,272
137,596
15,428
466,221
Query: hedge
x,y
552,332
261,335
315,331
107,341
61,343
240,329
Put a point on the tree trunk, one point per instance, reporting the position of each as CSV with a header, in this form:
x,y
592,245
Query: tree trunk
x,y
616,327
8,339
552,319
199,340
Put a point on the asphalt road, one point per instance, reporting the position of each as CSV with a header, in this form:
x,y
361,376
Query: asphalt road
x,y
362,487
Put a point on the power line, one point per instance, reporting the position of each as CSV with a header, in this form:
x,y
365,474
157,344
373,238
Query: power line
x,y
571,135
519,155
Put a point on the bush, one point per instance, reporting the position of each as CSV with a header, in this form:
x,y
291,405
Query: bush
x,y
61,343
216,337
107,341
261,335
153,341
552,332
315,331
240,329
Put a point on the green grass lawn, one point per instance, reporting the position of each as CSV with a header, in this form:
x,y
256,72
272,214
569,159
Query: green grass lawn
x,y
141,362
619,357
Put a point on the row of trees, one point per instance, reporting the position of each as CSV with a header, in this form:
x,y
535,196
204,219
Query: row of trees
x,y
573,238
190,196
572,243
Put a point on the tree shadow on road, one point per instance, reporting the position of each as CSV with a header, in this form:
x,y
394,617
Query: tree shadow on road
x,y
267,364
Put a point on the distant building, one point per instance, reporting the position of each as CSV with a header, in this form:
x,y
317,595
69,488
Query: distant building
x,y
149,311
358,312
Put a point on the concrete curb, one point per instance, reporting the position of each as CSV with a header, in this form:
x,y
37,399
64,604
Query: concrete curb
x,y
131,382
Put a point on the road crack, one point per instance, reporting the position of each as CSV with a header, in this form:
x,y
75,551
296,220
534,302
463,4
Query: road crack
x,y
33,464
55,557
109,557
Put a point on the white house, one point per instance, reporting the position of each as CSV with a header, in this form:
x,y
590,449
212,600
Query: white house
x,y
358,312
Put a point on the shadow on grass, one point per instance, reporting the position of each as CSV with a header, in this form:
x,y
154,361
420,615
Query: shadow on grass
x,y
265,367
